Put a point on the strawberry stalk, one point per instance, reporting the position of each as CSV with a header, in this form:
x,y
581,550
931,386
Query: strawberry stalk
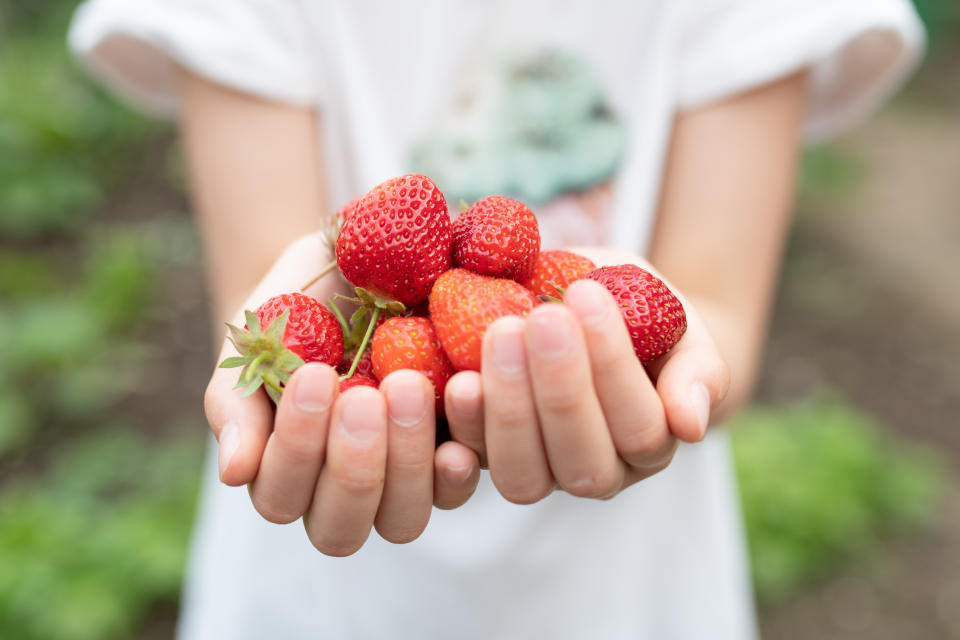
x,y
327,269
374,316
332,305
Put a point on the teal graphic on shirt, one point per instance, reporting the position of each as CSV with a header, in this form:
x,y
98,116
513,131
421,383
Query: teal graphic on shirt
x,y
532,127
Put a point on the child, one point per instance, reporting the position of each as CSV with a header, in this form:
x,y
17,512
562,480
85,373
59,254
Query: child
x,y
661,129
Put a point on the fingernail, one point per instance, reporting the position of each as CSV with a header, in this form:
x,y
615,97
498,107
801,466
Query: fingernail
x,y
314,391
405,401
358,420
464,393
588,302
457,474
229,443
550,333
700,401
508,351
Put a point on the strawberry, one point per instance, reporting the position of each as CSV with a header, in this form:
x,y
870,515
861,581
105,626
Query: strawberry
x,y
462,306
357,380
411,343
557,268
364,364
397,240
298,329
654,316
497,237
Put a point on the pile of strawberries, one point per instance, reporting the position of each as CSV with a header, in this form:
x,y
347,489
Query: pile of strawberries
x,y
427,289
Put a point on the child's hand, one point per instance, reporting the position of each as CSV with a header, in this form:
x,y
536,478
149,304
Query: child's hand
x,y
563,400
344,462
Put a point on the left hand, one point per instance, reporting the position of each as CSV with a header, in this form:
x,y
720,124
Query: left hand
x,y
563,401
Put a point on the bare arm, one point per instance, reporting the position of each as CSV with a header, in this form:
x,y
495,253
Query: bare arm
x,y
256,180
725,210
257,183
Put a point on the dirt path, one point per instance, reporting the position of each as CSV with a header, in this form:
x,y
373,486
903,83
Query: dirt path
x,y
870,305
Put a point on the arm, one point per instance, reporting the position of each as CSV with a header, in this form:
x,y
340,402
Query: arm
x,y
256,178
256,181
727,201
583,414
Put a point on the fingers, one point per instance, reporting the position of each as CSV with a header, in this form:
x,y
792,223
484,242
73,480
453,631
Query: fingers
x,y
241,426
518,462
408,492
291,462
351,482
578,443
464,407
456,474
634,412
691,380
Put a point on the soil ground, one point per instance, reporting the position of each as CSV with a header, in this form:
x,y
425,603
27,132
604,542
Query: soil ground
x,y
869,306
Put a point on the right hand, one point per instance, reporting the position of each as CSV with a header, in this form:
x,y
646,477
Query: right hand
x,y
343,462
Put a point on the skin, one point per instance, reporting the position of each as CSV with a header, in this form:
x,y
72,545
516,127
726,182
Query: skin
x,y
561,403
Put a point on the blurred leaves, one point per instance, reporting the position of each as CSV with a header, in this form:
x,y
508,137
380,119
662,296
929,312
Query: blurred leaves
x,y
93,522
821,485
88,547
64,141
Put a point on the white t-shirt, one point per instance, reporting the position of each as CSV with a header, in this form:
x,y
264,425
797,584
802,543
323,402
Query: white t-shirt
x,y
568,106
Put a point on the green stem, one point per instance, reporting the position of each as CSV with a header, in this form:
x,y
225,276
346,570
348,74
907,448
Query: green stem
x,y
252,367
363,344
344,327
273,385
327,269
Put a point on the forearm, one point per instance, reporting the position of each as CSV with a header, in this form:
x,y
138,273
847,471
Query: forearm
x,y
724,214
256,184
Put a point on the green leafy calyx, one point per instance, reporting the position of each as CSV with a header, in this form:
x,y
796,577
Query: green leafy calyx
x,y
264,359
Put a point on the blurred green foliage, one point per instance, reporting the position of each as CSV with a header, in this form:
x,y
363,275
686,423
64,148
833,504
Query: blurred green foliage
x,y
64,141
821,485
942,21
94,521
828,171
89,546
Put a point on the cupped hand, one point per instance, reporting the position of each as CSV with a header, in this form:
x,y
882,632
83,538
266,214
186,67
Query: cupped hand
x,y
562,401
346,462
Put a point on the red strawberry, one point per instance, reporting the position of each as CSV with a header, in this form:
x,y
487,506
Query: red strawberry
x,y
462,306
411,343
364,366
558,268
654,316
397,240
298,329
357,380
497,237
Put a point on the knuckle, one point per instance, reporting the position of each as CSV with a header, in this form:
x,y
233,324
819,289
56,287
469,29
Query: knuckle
x,y
299,449
605,357
510,415
358,481
658,461
411,467
558,399
592,485
642,443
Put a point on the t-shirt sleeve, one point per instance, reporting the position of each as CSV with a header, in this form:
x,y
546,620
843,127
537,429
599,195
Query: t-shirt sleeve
x,y
255,46
858,52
